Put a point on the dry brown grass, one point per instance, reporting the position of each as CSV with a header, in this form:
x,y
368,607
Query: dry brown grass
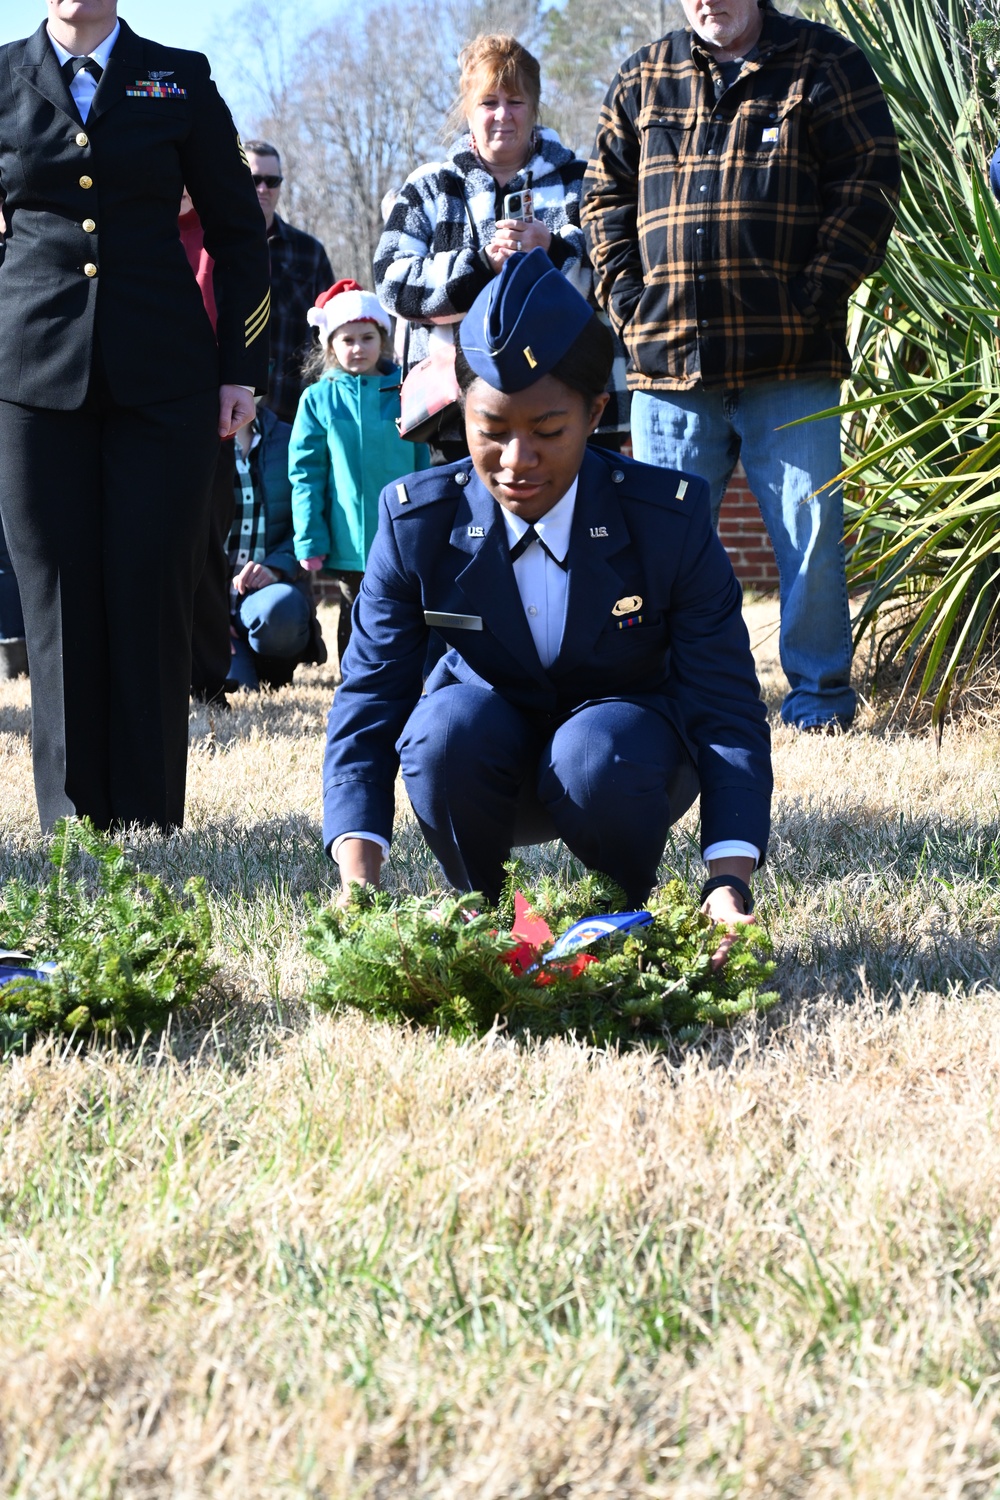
x,y
275,1254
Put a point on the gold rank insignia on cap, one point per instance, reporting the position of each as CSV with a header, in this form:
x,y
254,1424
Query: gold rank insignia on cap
x,y
630,605
532,361
257,321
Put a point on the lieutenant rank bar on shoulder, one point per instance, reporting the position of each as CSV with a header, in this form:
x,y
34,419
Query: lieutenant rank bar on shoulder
x,y
149,88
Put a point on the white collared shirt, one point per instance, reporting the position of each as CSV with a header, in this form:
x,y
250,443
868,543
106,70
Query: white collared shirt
x,y
541,583
84,85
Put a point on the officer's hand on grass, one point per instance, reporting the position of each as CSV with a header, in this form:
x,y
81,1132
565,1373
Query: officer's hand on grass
x,y
725,905
360,861
253,576
236,409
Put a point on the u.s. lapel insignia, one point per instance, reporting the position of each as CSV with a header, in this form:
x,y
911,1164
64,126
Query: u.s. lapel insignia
x,y
598,531
477,531
630,605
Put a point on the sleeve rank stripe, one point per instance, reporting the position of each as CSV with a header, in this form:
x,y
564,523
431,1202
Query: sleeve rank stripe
x,y
243,154
260,312
253,337
257,324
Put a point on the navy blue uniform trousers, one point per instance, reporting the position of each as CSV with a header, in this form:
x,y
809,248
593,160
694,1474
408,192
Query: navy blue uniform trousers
x,y
483,777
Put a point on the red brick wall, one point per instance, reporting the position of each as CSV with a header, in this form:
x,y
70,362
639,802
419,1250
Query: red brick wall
x,y
745,537
743,534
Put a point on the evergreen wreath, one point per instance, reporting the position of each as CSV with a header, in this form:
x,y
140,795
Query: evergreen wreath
x,y
126,951
448,963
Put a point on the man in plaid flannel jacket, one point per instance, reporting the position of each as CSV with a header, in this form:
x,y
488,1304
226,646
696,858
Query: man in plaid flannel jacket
x,y
742,187
300,270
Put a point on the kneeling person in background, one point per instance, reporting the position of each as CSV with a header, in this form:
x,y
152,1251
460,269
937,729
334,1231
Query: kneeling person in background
x,y
598,673
274,625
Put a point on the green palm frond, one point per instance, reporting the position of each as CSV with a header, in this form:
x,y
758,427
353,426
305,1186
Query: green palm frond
x,y
923,421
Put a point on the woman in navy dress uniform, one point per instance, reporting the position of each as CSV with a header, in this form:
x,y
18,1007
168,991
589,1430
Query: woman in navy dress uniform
x,y
114,391
597,674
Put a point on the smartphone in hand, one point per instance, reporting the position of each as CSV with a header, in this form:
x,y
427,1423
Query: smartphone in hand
x,y
519,206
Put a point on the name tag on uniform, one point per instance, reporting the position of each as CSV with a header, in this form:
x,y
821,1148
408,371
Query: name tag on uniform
x,y
443,621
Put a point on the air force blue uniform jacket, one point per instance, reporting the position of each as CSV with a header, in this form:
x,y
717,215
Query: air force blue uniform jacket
x,y
642,543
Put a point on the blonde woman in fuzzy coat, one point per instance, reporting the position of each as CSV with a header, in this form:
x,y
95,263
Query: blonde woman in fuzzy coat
x,y
447,235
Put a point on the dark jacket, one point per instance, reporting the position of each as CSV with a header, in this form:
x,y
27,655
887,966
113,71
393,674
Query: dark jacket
x,y
639,533
300,270
125,281
729,226
269,469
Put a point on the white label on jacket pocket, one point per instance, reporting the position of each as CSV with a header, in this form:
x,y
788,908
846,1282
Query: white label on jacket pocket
x,y
443,621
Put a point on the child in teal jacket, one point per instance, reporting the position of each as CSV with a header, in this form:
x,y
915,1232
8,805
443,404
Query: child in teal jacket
x,y
345,447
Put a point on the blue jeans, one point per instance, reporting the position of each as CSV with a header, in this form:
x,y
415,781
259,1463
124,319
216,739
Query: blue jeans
x,y
706,432
272,622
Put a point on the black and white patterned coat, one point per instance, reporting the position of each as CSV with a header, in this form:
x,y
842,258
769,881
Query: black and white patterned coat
x,y
429,267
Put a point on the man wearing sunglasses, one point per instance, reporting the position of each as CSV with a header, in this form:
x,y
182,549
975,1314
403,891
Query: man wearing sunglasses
x,y
300,270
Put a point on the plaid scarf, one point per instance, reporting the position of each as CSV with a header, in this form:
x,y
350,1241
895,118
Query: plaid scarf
x,y
247,536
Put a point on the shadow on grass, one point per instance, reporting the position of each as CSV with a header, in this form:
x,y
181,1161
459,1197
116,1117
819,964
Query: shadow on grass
x,y
15,720
860,908
811,843
861,905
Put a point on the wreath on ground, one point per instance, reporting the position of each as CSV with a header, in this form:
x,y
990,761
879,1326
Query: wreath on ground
x,y
453,964
101,947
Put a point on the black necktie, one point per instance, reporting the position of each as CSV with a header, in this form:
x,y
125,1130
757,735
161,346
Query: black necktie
x,y
74,65
531,535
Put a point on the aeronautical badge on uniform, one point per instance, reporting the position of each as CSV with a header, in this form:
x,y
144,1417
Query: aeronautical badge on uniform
x,y
626,612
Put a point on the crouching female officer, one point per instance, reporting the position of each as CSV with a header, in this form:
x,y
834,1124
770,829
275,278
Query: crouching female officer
x,y
598,673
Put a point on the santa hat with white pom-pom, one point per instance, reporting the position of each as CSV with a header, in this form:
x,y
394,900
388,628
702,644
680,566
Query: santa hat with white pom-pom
x,y
346,302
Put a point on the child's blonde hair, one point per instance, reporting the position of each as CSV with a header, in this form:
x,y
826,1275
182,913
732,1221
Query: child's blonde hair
x,y
322,357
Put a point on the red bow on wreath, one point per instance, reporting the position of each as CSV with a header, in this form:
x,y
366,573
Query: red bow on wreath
x,y
534,936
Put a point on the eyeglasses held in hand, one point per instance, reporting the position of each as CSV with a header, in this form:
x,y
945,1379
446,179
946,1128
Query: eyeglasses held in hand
x,y
268,182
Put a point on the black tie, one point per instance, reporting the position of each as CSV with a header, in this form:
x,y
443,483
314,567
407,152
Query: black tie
x,y
74,65
531,535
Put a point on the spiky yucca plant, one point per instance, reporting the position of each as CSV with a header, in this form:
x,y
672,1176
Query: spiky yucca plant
x,y
924,422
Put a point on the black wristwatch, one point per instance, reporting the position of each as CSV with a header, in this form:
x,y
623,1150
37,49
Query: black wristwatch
x,y
739,886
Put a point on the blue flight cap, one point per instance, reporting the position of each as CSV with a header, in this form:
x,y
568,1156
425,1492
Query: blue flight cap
x,y
522,324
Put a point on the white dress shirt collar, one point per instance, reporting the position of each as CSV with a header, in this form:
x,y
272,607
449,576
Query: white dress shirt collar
x,y
100,53
554,527
84,85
